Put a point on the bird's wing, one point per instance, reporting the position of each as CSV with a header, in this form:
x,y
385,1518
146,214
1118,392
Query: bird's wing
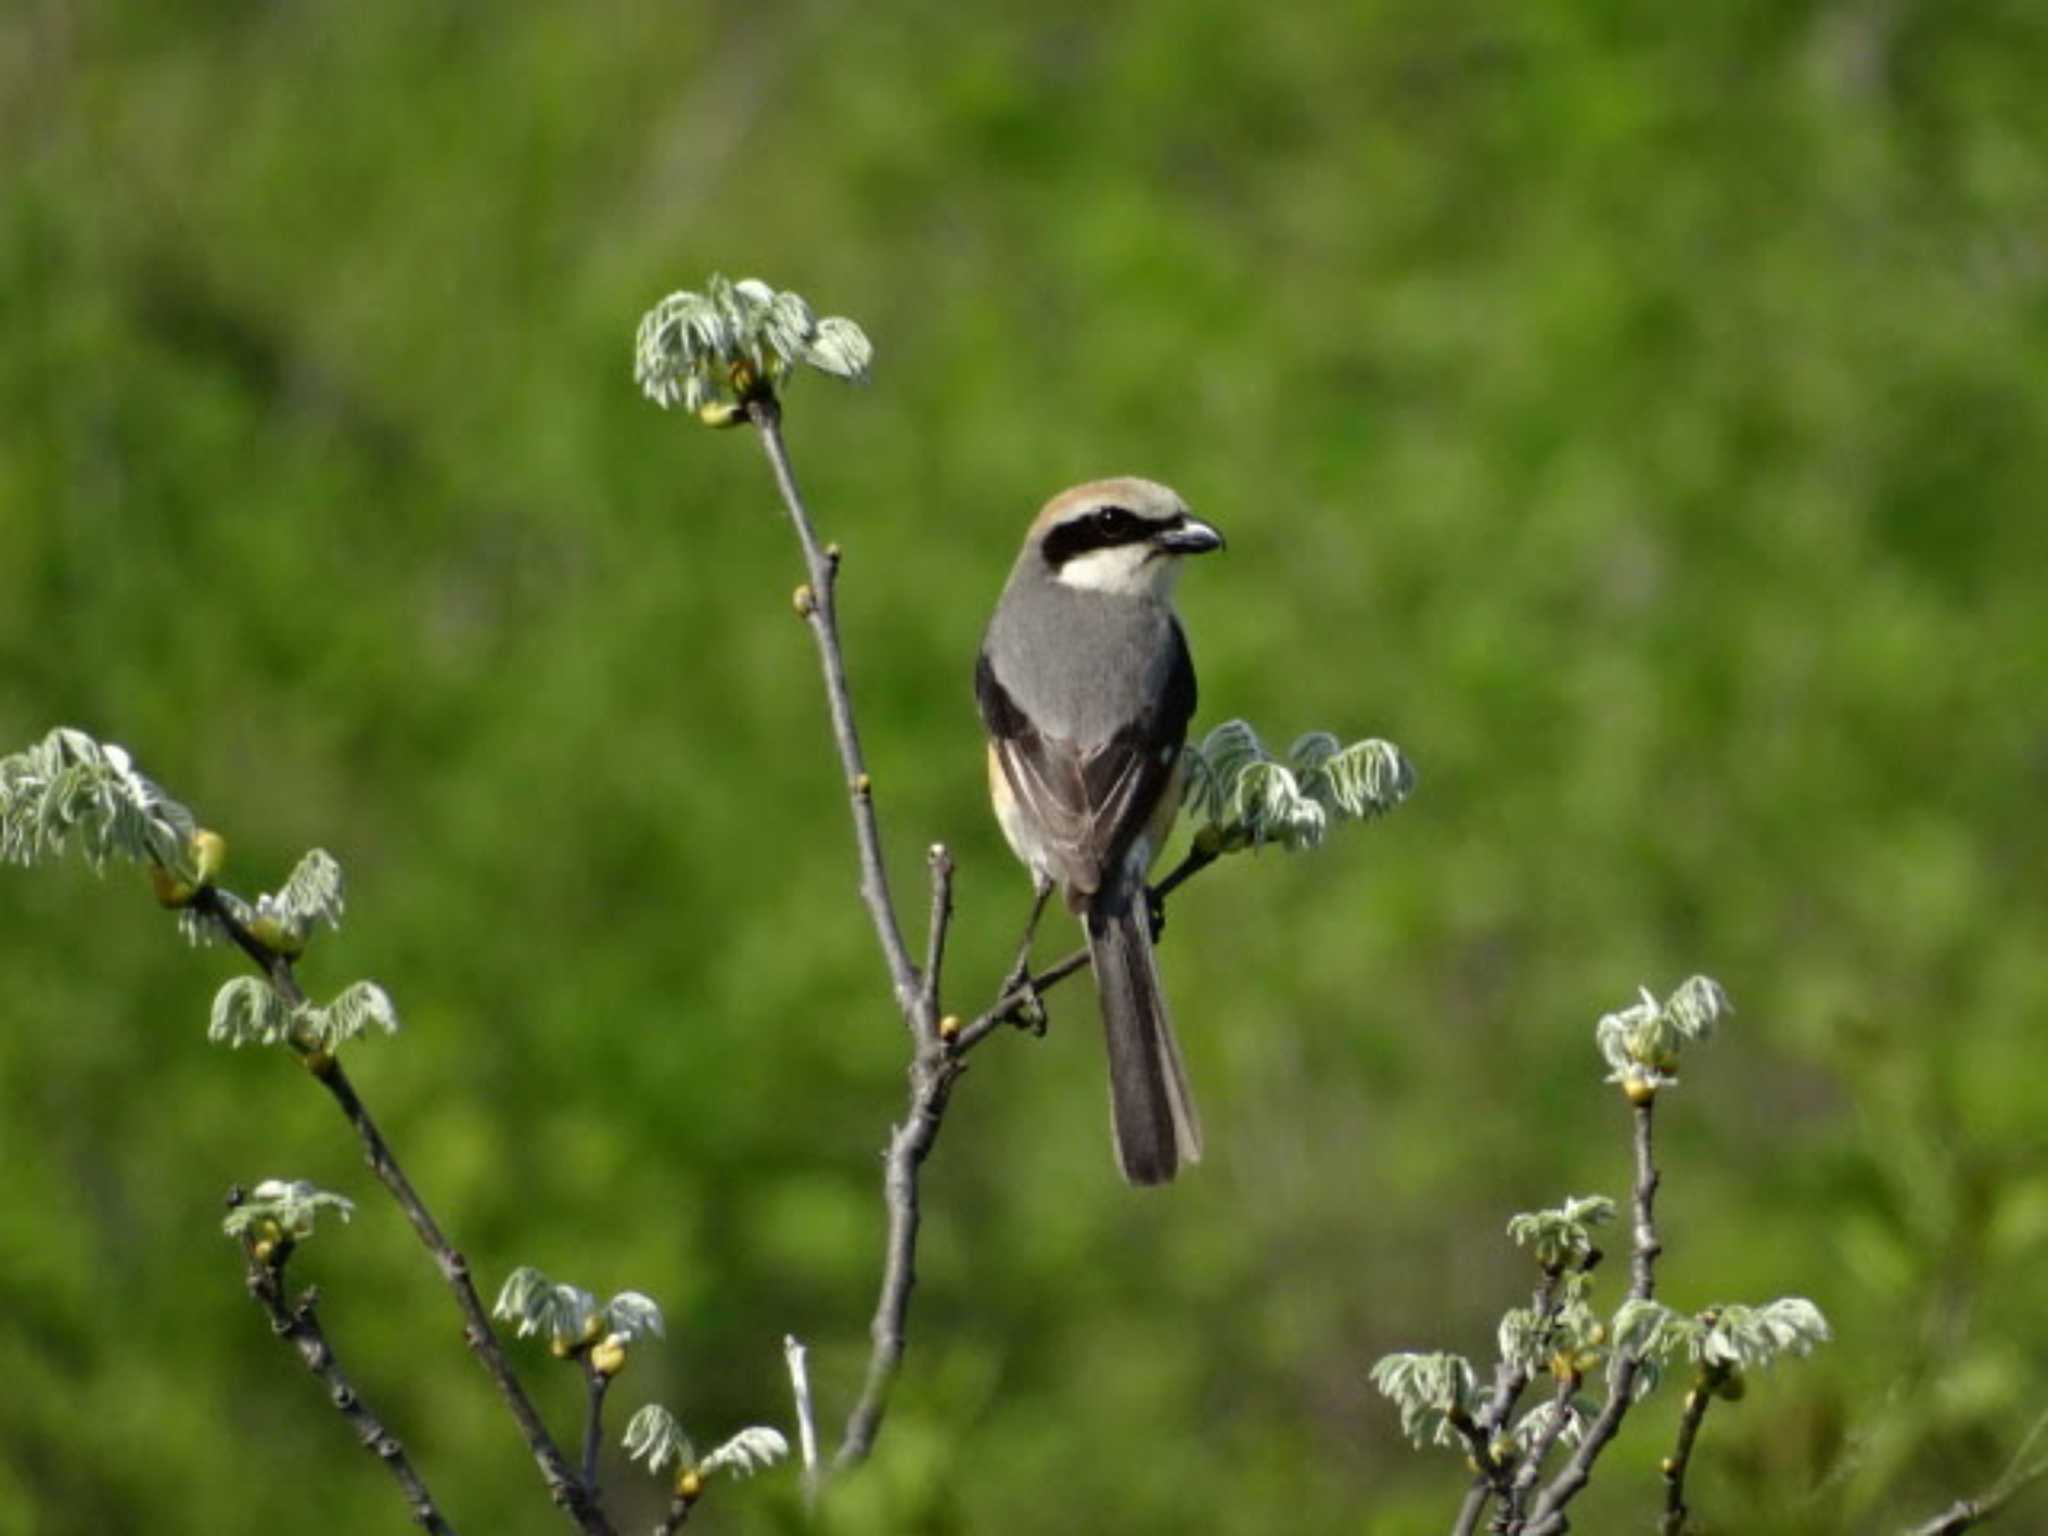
x,y
1088,803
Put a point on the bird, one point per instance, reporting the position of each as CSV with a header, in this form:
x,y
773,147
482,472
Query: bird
x,y
1085,687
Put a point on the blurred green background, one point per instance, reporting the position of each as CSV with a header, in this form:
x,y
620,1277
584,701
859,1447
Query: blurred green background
x,y
1640,415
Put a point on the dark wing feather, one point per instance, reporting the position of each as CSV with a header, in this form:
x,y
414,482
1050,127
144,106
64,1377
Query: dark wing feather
x,y
1089,803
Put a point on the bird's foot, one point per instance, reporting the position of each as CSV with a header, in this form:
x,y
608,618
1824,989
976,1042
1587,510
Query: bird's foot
x,y
1155,911
1028,1009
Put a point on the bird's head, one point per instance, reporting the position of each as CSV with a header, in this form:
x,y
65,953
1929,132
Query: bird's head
x,y
1124,536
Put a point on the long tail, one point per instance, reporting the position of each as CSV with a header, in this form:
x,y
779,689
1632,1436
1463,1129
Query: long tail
x,y
1151,1111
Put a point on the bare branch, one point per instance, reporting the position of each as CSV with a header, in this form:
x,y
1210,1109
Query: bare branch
x,y
1510,1380
2021,1473
1493,1476
1477,1497
593,1423
562,1484
1008,1008
1192,865
941,862
1547,1517
932,1075
298,1324
823,616
932,1069
1697,1402
1560,1416
806,1416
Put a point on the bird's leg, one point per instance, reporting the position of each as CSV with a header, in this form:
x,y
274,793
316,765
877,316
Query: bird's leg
x,y
1155,911
1029,1011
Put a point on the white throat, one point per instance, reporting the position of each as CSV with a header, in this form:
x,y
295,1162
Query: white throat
x,y
1127,570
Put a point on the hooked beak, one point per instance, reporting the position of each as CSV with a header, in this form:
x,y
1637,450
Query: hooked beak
x,y
1189,535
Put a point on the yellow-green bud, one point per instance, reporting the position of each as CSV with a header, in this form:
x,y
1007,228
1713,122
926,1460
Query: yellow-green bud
x,y
170,890
609,1357
277,937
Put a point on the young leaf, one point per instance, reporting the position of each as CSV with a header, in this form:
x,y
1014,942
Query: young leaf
x,y
1429,1391
711,348
247,1012
654,1436
294,1205
748,1452
357,1009
1749,1337
67,783
1561,1234
631,1314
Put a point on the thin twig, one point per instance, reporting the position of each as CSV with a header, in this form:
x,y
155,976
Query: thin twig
x,y
1547,1517
1009,1007
1560,1416
1697,1402
1006,1008
562,1484
806,1416
932,1075
1477,1497
1192,865
298,1324
677,1517
932,1069
593,1422
2019,1475
1510,1379
941,862
1491,1470
823,615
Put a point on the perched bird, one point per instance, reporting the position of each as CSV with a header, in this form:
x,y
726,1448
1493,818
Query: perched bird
x,y
1085,688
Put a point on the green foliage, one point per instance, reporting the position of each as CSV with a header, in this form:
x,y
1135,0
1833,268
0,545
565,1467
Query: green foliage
x,y
360,1006
287,1207
312,894
1244,797
1637,416
248,1011
1642,1043
68,783
569,1316
1561,1234
1433,1393
1559,1333
655,1436
709,349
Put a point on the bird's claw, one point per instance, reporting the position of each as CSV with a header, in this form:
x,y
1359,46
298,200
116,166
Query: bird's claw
x,y
1028,1009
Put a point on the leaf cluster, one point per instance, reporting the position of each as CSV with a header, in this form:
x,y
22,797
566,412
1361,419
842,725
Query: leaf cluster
x,y
709,351
1248,797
